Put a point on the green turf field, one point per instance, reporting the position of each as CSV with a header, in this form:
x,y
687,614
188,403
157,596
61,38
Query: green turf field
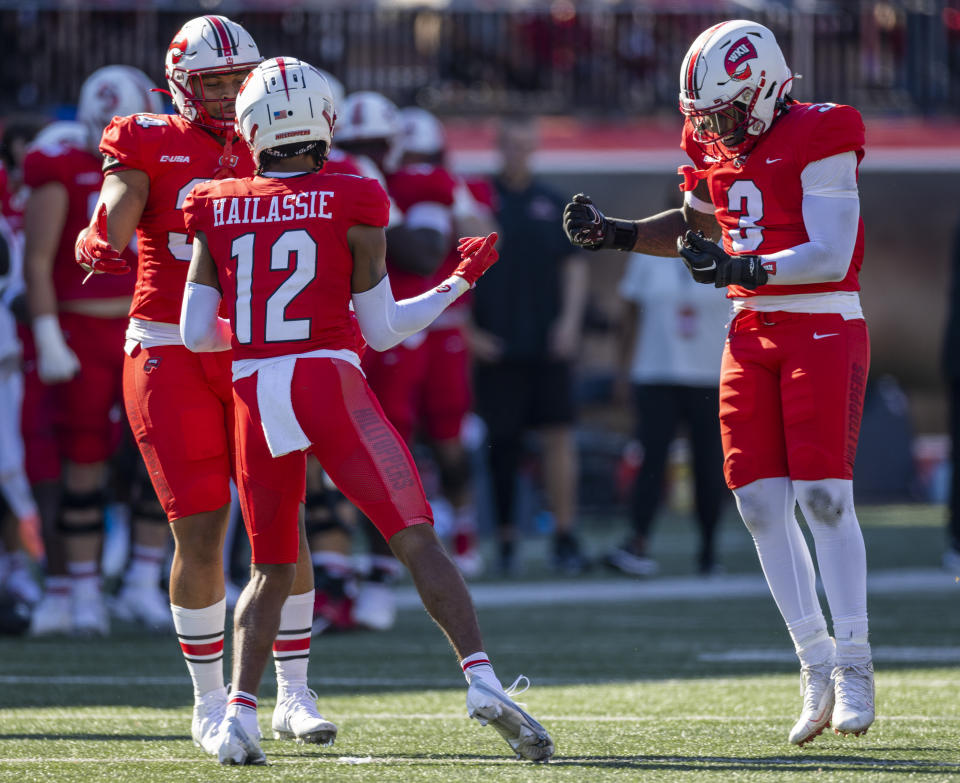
x,y
674,679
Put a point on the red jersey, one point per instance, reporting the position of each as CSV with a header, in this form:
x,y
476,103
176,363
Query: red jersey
x,y
176,154
282,257
78,171
758,201
418,184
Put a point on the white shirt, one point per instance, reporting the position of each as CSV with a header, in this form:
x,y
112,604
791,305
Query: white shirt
x,y
682,324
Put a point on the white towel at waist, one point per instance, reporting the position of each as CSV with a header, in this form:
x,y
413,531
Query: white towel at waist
x,y
274,379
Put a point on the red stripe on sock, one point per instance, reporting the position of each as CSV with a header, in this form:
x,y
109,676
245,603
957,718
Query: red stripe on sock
x,y
202,649
243,701
285,645
476,663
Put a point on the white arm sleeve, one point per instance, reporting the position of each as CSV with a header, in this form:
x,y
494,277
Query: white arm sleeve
x,y
385,322
831,216
200,328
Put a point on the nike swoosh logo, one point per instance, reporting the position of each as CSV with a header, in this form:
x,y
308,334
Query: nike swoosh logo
x,y
773,160
821,336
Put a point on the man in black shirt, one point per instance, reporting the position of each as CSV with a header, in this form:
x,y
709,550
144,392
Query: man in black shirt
x,y
528,317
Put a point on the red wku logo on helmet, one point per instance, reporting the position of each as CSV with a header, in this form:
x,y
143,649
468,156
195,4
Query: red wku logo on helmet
x,y
737,56
179,48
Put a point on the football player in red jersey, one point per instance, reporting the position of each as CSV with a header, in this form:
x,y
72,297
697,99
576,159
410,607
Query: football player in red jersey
x,y
73,379
777,180
290,249
180,403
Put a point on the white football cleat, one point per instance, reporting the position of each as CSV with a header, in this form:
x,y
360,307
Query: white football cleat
x,y
53,615
236,746
144,604
375,606
816,684
854,712
208,713
90,617
296,717
523,733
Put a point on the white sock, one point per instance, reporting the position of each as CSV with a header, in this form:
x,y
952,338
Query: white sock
x,y
477,666
60,586
243,705
291,650
853,644
85,579
828,508
145,566
811,640
200,633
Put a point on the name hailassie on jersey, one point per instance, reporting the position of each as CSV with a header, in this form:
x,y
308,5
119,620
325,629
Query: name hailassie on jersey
x,y
254,209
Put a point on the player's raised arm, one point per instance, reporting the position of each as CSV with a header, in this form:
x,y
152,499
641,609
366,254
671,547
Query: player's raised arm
x,y
587,227
115,218
386,322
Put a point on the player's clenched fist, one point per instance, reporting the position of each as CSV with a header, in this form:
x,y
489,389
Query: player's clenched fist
x,y
709,263
94,253
478,254
587,227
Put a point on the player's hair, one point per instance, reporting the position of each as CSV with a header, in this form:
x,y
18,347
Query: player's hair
x,y
316,149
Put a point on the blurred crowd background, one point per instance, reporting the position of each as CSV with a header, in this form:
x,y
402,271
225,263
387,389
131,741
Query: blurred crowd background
x,y
603,79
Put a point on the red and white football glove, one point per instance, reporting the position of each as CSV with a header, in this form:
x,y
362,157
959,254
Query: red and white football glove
x,y
478,254
94,253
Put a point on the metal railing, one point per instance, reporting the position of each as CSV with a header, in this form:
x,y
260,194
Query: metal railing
x,y
606,61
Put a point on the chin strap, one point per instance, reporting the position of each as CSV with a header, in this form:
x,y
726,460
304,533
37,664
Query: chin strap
x,y
228,161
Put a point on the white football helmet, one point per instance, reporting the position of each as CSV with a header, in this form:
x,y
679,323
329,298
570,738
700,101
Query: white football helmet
x,y
368,116
420,132
205,45
731,82
115,91
285,101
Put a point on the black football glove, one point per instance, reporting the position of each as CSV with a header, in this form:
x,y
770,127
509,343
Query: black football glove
x,y
709,263
587,227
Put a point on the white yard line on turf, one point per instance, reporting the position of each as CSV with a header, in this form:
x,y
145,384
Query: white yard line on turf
x,y
582,591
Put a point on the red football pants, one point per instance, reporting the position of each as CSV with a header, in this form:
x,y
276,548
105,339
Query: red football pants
x,y
791,396
180,408
350,437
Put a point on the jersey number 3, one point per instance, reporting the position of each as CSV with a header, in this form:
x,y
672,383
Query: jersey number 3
x,y
745,199
299,246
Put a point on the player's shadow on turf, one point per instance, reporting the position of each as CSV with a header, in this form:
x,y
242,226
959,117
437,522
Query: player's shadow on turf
x,y
806,762
97,737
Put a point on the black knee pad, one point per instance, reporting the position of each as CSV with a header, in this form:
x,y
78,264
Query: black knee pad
x,y
81,513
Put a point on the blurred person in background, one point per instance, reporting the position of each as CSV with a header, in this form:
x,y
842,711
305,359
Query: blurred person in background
x,y
180,403
951,370
418,238
72,421
671,345
777,179
527,324
21,545
18,132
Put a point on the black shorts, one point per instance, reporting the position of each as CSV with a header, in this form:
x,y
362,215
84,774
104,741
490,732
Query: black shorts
x,y
512,397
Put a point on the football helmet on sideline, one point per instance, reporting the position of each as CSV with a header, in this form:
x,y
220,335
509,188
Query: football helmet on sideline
x,y
115,91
